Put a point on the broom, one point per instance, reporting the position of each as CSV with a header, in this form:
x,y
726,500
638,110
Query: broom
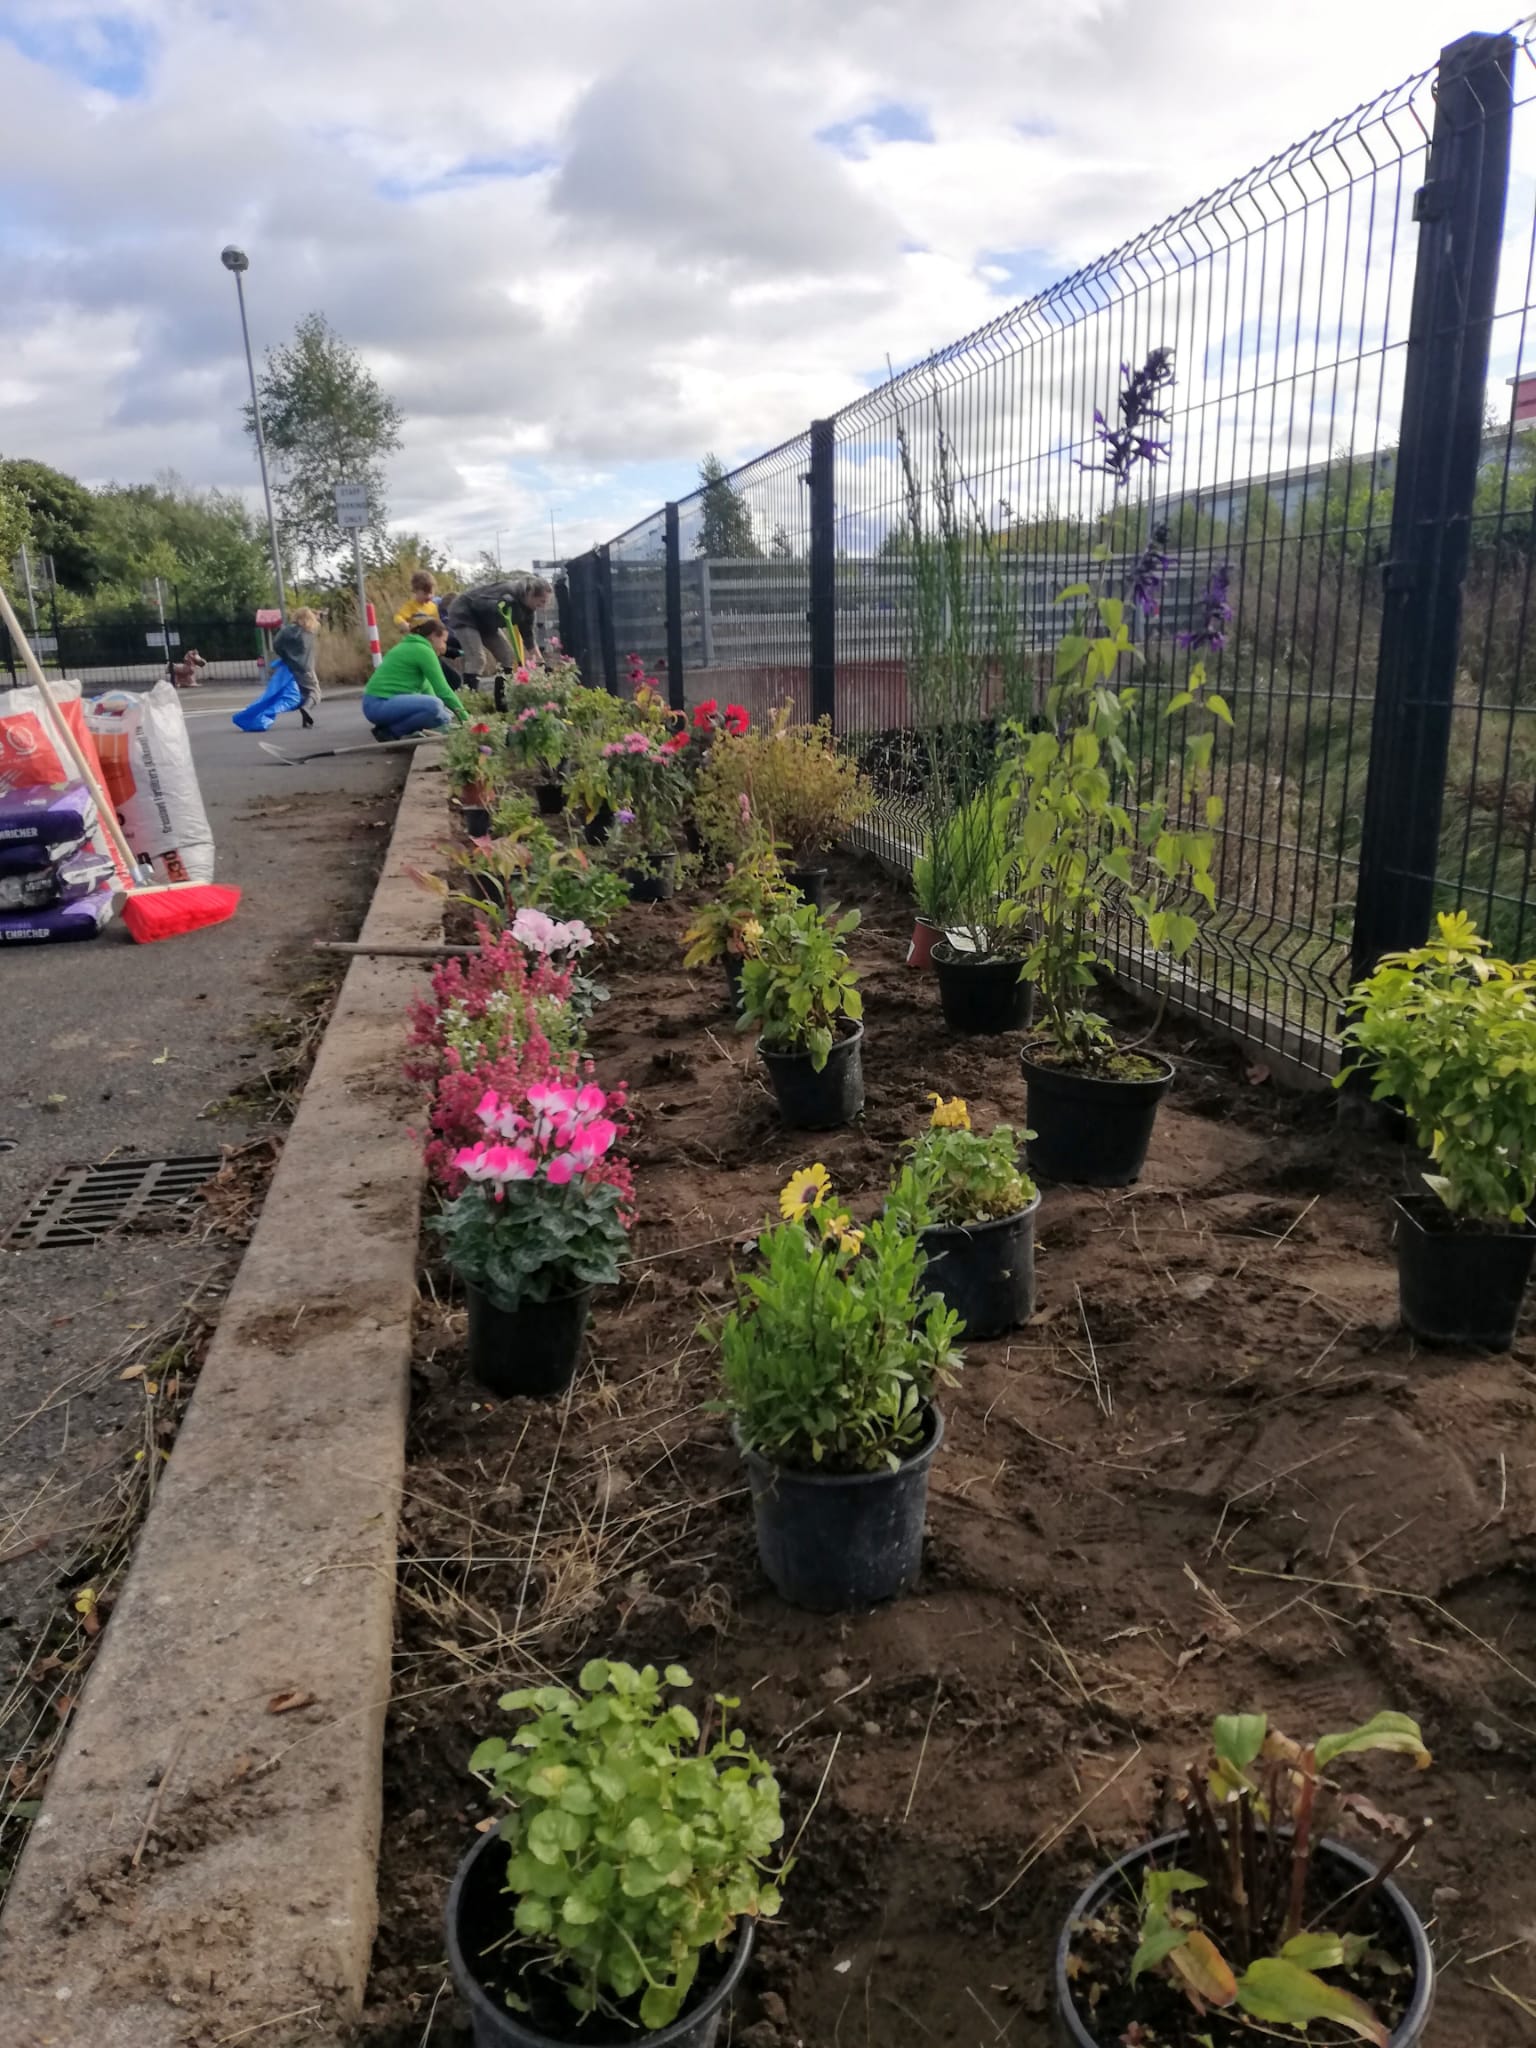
x,y
159,910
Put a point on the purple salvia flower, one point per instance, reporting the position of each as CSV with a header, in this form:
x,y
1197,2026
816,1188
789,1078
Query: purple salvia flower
x,y
1129,443
1147,583
1216,610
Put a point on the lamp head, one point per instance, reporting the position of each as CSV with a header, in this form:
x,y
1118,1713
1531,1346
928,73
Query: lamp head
x,y
234,259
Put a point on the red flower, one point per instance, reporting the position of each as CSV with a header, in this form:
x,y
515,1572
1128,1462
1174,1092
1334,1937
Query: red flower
x,y
479,728
676,744
703,713
736,718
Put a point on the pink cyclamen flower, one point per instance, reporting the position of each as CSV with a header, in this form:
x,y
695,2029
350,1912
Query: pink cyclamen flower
x,y
591,1100
561,1170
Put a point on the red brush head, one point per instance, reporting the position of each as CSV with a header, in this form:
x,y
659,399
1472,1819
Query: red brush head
x,y
152,914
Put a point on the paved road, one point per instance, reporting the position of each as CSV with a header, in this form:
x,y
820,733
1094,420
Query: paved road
x,y
111,1049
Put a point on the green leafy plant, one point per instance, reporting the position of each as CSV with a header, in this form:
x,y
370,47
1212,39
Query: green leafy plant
x,y
833,1349
962,875
1450,1034
799,787
637,1843
1239,1927
474,756
1083,856
753,891
798,984
954,1175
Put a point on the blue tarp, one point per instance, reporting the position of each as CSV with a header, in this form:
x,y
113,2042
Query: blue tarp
x,y
280,695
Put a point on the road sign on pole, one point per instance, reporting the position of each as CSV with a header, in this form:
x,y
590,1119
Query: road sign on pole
x,y
351,506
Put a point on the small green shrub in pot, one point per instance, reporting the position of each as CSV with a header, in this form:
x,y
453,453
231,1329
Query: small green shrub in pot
x,y
638,1841
797,982
752,892
797,783
972,1207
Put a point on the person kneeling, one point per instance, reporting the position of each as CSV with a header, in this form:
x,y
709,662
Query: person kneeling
x,y
408,692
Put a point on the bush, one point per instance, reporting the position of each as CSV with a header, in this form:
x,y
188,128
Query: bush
x,y
799,789
753,892
956,1176
796,981
635,1848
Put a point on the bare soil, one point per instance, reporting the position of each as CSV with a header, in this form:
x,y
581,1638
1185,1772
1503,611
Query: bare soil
x,y
1212,1474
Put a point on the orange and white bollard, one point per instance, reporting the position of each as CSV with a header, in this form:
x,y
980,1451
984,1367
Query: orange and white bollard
x,y
373,637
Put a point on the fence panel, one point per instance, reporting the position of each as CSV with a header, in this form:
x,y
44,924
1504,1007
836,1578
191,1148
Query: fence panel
x,y
128,654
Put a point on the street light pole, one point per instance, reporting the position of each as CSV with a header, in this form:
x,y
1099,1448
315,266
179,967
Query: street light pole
x,y
237,263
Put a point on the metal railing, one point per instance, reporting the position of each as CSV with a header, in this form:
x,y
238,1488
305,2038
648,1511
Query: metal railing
x,y
1345,453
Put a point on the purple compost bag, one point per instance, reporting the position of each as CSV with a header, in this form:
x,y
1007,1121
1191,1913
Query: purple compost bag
x,y
31,858
60,924
46,814
66,881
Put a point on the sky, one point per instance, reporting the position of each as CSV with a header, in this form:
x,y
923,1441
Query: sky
x,y
582,246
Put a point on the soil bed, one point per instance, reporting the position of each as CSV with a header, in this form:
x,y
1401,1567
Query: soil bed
x,y
1211,1474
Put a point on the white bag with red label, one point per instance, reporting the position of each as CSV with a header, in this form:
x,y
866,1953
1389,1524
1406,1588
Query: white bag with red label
x,y
146,765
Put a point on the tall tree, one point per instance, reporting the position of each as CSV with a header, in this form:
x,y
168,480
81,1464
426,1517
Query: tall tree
x,y
327,421
725,528
15,527
62,516
207,544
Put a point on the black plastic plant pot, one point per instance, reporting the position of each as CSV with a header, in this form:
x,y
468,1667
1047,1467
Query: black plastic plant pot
x,y
596,829
479,1917
732,967
550,798
693,839
1090,1130
985,1272
1330,1859
811,884
489,889
476,820
655,881
533,1350
1458,1283
835,1543
982,998
809,1101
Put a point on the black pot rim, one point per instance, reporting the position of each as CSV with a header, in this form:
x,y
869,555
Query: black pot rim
x,y
1413,1207
1412,2022
484,2007
1053,1073
949,956
807,873
549,1301
769,1052
914,1463
973,1230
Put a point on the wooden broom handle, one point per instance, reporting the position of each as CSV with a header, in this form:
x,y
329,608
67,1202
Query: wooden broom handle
x,y
71,746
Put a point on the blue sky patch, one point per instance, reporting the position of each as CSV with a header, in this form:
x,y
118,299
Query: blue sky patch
x,y
889,122
107,52
473,170
1025,271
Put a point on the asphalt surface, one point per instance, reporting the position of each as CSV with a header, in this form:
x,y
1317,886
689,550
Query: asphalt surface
x,y
112,1050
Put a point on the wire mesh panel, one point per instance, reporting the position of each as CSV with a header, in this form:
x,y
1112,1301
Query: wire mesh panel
x,y
638,565
744,541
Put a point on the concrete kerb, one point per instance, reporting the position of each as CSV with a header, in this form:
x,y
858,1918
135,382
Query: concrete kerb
x,y
204,1863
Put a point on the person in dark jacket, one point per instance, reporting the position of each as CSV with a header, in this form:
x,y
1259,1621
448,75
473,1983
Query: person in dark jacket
x,y
295,644
474,617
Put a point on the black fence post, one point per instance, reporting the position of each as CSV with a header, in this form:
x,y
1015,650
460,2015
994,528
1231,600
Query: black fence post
x,y
605,619
676,693
823,613
1461,214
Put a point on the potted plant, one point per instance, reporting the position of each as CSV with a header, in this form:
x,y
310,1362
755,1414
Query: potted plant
x,y
1251,1910
973,1209
541,1220
830,1362
798,786
471,754
798,985
644,784
537,739
1449,1033
617,1899
965,873
722,930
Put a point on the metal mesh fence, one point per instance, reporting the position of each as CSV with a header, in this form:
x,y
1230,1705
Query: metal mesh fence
x,y
1301,531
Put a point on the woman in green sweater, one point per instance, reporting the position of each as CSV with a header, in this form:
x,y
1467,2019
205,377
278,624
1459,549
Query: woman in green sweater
x,y
408,691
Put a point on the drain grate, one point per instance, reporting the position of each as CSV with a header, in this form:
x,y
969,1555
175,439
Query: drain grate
x,y
82,1206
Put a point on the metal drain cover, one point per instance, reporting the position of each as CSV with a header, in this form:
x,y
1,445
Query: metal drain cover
x,y
82,1206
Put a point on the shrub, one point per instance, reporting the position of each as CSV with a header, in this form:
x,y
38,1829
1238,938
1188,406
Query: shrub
x,y
962,875
833,1349
799,789
635,1848
1451,1035
752,893
956,1176
486,1004
796,980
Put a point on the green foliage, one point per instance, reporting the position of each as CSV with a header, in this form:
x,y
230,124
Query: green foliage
x,y
953,1175
208,546
634,1846
327,421
1451,1035
833,1349
799,984
962,876
1229,1931
61,519
537,1241
15,526
725,518
800,789
751,894
1082,854
474,755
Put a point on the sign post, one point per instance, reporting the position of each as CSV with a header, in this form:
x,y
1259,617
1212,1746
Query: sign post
x,y
352,516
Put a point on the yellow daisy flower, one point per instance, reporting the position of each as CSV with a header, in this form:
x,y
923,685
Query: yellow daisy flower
x,y
950,1116
751,937
840,1232
804,1190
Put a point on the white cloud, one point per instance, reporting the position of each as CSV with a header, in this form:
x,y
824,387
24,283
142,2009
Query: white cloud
x,y
620,240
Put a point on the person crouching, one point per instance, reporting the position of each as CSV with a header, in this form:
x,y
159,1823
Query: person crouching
x,y
408,692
